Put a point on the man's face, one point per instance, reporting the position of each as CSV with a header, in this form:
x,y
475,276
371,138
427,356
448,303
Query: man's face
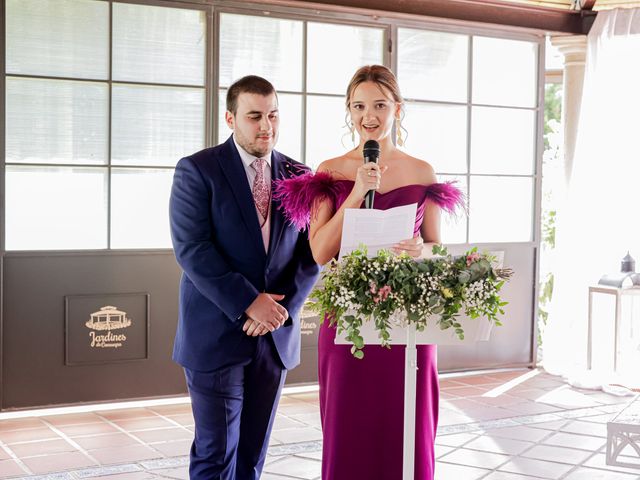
x,y
255,123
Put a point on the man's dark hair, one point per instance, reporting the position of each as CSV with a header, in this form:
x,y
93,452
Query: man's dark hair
x,y
248,84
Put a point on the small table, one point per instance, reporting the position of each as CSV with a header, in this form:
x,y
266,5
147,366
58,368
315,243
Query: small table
x,y
623,431
618,293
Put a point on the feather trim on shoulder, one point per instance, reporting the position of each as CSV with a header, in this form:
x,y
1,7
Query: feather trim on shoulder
x,y
447,196
298,195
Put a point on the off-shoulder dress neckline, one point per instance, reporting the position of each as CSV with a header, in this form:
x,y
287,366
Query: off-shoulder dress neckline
x,y
411,185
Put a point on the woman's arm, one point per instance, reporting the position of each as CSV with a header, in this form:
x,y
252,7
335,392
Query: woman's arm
x,y
325,230
430,228
422,245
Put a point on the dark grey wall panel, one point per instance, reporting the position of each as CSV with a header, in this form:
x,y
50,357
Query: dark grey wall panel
x,y
307,371
37,291
35,287
49,299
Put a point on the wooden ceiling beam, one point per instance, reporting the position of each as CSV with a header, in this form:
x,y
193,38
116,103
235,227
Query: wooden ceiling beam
x,y
484,11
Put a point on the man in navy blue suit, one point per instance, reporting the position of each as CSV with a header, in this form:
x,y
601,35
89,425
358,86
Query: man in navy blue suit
x,y
246,274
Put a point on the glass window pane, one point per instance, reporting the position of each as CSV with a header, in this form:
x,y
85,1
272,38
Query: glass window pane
x,y
223,130
58,38
438,134
327,133
433,65
501,209
158,44
56,121
453,229
502,141
156,125
56,208
269,47
140,208
290,136
330,72
504,72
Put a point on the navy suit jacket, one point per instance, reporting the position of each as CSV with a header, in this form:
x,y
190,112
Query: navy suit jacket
x,y
218,243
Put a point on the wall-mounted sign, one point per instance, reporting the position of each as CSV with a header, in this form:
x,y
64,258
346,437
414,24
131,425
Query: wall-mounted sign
x,y
104,322
106,328
308,325
307,371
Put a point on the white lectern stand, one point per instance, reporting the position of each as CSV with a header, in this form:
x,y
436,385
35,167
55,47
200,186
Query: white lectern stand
x,y
410,374
475,330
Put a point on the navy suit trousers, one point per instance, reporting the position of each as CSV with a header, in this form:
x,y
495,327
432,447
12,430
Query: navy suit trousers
x,y
234,408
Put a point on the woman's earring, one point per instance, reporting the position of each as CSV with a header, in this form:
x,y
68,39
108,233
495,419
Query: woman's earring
x,y
353,133
399,139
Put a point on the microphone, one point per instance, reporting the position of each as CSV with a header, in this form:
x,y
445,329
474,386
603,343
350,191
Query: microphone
x,y
371,153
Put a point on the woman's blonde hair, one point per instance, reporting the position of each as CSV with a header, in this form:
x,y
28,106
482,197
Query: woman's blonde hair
x,y
378,74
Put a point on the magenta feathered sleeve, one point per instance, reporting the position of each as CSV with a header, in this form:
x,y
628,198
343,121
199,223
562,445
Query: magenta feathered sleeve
x,y
447,196
298,195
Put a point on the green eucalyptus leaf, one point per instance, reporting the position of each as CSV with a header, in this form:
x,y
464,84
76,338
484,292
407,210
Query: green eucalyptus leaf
x,y
464,277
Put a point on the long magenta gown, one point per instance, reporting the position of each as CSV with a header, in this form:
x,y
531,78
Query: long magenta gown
x,y
362,401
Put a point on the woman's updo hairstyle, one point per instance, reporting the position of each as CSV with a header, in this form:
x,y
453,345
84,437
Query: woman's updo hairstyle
x,y
378,74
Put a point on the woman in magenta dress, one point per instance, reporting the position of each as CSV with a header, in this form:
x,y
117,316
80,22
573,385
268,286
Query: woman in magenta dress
x,y
361,401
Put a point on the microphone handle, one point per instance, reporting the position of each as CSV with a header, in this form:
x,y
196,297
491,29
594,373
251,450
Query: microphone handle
x,y
368,199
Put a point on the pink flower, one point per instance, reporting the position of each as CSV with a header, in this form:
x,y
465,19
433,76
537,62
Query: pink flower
x,y
384,292
472,257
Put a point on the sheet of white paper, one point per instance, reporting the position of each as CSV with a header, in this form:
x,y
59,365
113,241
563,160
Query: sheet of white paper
x,y
377,229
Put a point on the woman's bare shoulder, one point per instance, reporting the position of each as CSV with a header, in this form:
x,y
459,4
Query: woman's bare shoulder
x,y
336,167
422,170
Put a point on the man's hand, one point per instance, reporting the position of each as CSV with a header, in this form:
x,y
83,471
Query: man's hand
x,y
253,328
266,311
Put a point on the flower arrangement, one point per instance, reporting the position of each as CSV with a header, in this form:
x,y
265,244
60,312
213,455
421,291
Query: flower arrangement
x,y
394,289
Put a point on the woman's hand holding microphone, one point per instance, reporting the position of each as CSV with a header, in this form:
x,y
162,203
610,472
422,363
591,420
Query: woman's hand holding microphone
x,y
368,177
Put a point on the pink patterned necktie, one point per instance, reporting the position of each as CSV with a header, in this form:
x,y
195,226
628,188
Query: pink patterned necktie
x,y
261,191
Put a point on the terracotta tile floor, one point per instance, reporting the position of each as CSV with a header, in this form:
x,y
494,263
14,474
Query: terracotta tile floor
x,y
514,425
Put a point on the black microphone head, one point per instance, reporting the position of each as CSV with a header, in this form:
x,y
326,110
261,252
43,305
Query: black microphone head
x,y
371,151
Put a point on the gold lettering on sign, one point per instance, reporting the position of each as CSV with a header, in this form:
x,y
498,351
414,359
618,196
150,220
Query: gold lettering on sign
x,y
107,318
307,328
107,341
